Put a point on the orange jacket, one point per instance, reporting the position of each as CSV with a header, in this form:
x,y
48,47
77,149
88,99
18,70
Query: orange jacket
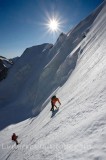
x,y
54,100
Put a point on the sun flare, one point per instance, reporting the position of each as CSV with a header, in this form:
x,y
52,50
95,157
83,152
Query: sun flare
x,y
53,25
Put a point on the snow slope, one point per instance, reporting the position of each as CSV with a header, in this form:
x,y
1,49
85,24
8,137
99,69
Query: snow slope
x,y
75,69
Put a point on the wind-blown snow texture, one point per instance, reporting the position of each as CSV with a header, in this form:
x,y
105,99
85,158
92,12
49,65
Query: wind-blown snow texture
x,y
75,70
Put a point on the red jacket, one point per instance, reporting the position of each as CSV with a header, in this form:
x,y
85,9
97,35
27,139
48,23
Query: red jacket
x,y
14,137
54,100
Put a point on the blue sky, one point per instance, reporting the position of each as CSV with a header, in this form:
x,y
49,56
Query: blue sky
x,y
23,22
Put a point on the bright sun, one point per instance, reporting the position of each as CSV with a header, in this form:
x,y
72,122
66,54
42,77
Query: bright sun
x,y
53,25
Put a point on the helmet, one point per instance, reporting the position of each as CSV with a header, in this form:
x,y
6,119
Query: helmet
x,y
53,97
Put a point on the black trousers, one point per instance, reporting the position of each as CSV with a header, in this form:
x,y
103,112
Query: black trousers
x,y
52,108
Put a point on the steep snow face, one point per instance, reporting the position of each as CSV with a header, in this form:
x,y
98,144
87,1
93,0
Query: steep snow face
x,y
18,90
39,72
76,72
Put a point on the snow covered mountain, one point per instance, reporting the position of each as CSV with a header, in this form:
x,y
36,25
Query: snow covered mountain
x,y
75,70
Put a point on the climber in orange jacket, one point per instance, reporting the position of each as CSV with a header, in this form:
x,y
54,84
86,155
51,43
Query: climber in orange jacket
x,y
54,99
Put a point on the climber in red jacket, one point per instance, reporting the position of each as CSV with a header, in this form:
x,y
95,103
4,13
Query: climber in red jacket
x,y
54,99
14,138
